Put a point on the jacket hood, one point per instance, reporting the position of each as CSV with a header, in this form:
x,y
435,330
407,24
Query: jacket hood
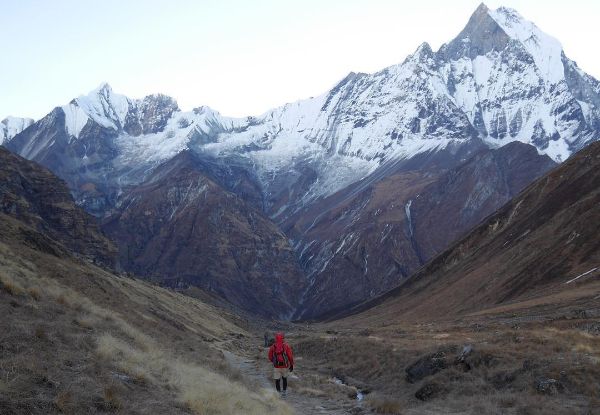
x,y
279,338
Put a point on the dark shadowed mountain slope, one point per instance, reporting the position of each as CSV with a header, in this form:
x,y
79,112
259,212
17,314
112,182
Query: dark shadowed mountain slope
x,y
180,228
35,196
464,196
544,241
362,246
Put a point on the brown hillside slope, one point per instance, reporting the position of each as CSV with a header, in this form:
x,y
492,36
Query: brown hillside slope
x,y
35,196
532,246
362,246
180,228
75,339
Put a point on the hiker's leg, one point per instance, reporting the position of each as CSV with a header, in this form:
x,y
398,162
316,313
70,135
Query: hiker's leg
x,y
278,384
284,383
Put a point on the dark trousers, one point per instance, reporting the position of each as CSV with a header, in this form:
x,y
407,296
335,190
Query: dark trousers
x,y
278,384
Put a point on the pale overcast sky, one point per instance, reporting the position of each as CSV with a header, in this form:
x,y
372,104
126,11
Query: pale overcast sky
x,y
239,57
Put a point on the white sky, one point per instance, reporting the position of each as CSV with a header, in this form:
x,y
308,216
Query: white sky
x,y
239,57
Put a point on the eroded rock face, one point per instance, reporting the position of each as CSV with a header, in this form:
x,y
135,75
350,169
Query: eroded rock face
x,y
34,196
181,229
357,247
149,115
535,243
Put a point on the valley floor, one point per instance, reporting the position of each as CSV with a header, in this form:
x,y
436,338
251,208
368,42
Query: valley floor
x,y
76,339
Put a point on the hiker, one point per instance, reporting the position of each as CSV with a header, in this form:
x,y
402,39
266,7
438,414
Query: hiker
x,y
280,354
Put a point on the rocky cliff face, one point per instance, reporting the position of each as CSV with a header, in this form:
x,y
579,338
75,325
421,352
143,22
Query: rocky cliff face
x,y
463,197
369,242
540,243
180,228
33,195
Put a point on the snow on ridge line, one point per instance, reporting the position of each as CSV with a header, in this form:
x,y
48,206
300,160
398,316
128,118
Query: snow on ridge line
x,y
11,126
545,49
105,107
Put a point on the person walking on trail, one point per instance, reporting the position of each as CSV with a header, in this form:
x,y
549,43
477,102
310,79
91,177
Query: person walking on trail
x,y
280,354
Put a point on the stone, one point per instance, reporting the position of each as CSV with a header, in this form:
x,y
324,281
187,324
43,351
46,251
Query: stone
x,y
548,386
426,366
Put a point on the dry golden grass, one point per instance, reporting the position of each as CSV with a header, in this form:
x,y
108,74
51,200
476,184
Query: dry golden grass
x,y
141,336
386,405
64,401
11,286
508,360
204,392
111,398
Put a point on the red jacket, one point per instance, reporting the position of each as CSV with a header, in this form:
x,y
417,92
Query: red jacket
x,y
284,348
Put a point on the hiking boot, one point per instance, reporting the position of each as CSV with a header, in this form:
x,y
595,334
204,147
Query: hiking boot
x,y
284,394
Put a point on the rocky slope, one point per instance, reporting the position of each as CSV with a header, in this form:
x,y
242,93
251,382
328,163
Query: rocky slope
x,y
34,196
78,339
369,242
544,241
180,228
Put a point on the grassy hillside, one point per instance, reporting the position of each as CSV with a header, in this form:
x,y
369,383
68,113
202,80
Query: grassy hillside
x,y
78,339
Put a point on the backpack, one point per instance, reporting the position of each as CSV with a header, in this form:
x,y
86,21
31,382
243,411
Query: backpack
x,y
280,357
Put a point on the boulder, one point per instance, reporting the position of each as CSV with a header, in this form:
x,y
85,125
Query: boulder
x,y
426,366
548,386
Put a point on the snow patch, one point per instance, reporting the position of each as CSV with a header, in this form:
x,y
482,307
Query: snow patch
x,y
75,119
545,50
11,126
582,275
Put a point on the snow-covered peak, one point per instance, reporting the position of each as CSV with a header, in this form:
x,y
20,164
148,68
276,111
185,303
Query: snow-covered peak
x,y
101,105
545,50
11,126
118,112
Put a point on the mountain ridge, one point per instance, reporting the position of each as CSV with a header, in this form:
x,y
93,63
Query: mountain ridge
x,y
534,246
488,87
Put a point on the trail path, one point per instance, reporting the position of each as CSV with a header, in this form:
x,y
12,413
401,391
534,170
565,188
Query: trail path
x,y
302,404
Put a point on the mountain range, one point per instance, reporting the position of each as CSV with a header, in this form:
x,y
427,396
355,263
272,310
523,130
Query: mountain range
x,y
367,181
537,250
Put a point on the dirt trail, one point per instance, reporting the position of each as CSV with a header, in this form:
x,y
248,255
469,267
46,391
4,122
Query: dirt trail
x,y
260,372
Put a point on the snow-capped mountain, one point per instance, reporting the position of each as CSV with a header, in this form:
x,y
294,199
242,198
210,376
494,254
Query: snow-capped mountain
x,y
11,126
500,80
117,112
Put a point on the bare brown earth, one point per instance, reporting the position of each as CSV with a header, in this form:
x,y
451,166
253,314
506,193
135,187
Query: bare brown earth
x,y
181,229
35,196
77,339
529,248
357,245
